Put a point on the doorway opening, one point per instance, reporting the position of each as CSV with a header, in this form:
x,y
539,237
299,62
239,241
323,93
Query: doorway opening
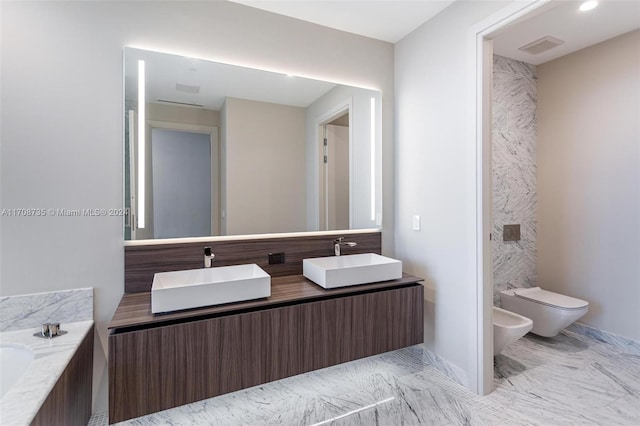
x,y
481,82
182,181
335,171
522,145
182,170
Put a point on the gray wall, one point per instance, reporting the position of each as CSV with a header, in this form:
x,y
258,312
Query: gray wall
x,y
587,155
265,171
181,164
513,168
589,181
62,123
338,176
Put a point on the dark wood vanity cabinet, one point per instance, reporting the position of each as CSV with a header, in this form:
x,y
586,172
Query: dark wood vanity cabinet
x,y
347,328
156,365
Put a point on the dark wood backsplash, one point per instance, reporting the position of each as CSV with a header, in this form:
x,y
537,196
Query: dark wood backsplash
x,y
142,262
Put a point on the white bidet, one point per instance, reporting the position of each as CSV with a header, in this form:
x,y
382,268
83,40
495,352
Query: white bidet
x,y
507,328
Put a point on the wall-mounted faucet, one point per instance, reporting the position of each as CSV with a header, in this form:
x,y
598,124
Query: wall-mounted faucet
x,y
338,242
208,257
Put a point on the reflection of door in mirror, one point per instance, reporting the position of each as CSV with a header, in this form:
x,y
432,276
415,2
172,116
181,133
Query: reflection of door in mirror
x,y
182,170
182,175
335,174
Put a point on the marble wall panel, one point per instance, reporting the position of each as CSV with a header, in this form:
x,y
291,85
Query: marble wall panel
x,y
513,173
32,310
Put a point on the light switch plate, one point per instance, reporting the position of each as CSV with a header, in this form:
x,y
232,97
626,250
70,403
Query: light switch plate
x,y
416,222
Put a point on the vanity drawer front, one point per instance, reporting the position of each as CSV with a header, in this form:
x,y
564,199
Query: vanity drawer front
x,y
344,329
160,368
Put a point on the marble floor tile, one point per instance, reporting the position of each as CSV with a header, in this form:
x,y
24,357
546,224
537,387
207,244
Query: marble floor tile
x,y
623,410
569,379
624,344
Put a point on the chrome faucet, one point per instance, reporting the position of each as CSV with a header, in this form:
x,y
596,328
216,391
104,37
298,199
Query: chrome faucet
x,y
208,257
50,330
338,242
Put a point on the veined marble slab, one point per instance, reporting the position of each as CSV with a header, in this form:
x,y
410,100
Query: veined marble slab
x,y
21,403
623,343
569,378
513,172
32,310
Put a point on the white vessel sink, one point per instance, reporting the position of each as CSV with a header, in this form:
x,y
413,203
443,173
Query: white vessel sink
x,y
193,288
354,269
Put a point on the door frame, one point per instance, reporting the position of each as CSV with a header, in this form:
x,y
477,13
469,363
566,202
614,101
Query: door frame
x,y
480,83
132,215
339,109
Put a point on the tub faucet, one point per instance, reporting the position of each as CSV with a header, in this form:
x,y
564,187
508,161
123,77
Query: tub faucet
x,y
50,329
208,257
338,242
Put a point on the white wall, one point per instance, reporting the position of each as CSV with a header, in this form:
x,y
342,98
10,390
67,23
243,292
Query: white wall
x,y
589,181
435,175
360,152
62,122
265,168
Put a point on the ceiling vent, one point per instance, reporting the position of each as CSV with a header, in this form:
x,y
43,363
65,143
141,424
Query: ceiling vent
x,y
541,45
166,101
187,89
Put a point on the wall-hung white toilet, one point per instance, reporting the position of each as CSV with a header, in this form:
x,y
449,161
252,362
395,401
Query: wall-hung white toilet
x,y
550,312
507,328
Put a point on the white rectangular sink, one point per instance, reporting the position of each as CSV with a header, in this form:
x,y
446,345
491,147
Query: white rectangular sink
x,y
354,269
193,288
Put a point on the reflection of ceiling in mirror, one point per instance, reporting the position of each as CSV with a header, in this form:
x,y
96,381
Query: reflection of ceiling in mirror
x,y
183,80
343,120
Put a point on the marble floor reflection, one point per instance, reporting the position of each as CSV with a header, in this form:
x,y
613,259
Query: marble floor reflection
x,y
569,379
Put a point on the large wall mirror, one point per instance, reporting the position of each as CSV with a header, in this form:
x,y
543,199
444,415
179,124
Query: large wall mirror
x,y
217,149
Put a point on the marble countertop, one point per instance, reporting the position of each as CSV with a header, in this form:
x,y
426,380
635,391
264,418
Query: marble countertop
x,y
51,356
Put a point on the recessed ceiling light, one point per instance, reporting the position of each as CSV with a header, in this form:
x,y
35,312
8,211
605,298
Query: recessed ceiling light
x,y
588,5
